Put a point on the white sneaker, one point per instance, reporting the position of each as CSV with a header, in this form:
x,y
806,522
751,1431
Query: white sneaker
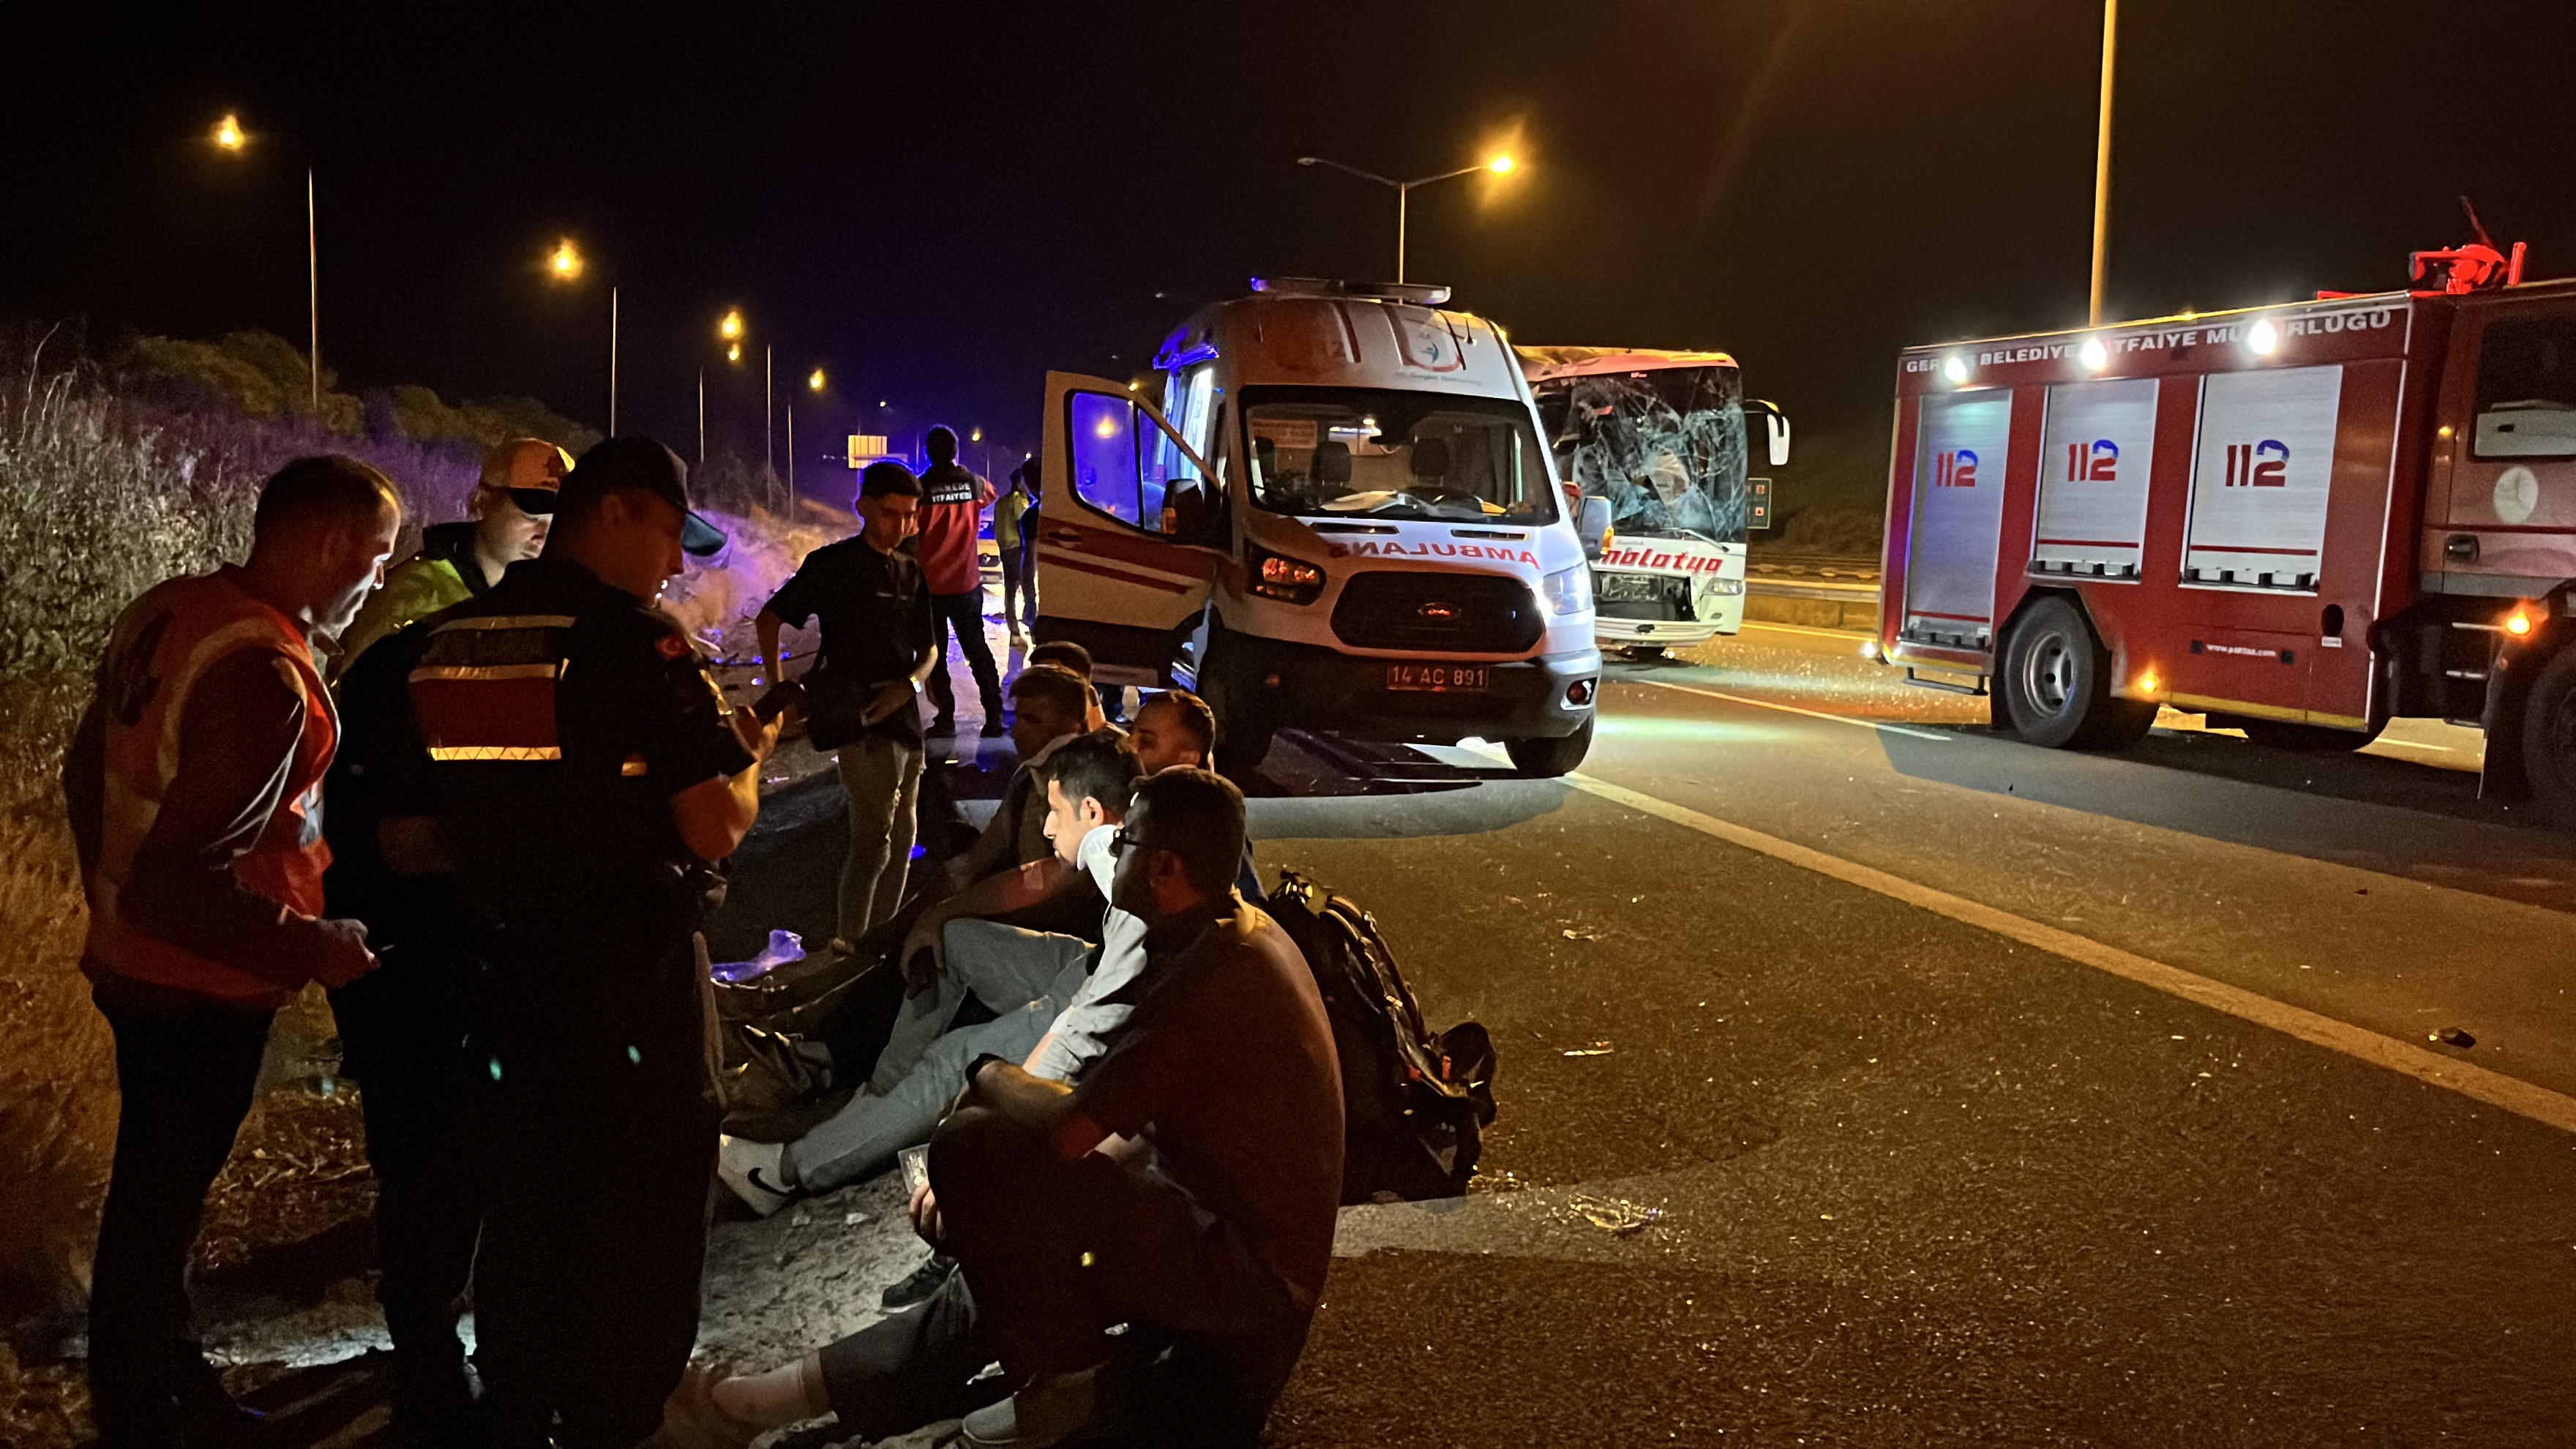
x,y
751,1170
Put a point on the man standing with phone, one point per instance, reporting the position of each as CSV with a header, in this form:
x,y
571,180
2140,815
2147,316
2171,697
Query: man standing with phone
x,y
864,697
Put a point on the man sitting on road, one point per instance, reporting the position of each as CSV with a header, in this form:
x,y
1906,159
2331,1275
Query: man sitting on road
x,y
1186,1186
1052,706
1058,998
1078,659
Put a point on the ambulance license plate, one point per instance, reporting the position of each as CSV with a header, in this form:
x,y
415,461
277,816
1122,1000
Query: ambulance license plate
x,y
1438,678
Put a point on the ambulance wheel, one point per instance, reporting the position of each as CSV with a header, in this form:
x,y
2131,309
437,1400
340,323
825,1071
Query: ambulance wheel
x,y
2306,739
2549,739
2056,685
1547,759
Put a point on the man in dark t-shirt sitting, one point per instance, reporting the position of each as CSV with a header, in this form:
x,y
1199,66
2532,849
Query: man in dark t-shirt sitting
x,y
864,698
1186,1186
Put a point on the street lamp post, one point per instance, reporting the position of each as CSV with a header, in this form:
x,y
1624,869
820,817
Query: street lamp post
x,y
565,264
2102,164
1499,165
229,136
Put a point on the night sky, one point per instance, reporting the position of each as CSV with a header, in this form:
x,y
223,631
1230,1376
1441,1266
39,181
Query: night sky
x,y
937,203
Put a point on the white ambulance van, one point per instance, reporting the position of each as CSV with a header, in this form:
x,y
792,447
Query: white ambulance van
x,y
1343,517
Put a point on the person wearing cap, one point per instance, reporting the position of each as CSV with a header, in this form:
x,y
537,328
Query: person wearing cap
x,y
588,778
509,511
863,698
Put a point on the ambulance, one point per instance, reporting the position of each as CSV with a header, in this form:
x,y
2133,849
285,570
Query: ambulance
x,y
1328,506
2302,520
1661,437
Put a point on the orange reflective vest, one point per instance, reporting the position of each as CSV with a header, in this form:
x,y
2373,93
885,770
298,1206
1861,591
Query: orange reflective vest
x,y
161,647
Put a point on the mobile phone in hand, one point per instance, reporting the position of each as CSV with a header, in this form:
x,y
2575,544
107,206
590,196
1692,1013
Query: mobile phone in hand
x,y
916,1168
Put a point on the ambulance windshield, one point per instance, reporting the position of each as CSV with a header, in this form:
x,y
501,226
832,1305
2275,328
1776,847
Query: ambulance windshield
x,y
1665,446
1392,454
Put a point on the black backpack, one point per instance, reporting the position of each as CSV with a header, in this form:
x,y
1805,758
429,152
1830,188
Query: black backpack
x,y
1414,1104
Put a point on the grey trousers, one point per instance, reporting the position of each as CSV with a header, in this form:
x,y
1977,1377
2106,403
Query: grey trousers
x,y
923,1067
883,778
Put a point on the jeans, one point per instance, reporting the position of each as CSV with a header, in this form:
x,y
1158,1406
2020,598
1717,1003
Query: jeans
x,y
1019,593
185,1071
864,1136
883,778
965,613
1001,966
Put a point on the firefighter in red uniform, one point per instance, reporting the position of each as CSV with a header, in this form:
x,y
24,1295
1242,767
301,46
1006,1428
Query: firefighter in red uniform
x,y
589,774
194,792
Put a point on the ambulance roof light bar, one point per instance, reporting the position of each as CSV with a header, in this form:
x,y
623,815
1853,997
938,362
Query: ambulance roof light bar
x,y
1421,294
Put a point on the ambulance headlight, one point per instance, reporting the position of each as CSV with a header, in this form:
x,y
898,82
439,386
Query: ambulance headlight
x,y
1568,591
1277,576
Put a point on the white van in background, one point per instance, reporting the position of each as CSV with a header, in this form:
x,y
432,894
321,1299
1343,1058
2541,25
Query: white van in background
x,y
1343,517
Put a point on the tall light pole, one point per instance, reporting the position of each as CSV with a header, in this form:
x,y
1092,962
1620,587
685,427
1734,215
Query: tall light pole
x,y
729,332
565,264
231,138
2102,163
1499,165
769,408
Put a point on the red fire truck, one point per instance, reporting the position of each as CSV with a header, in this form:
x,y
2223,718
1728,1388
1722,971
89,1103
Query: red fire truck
x,y
2303,520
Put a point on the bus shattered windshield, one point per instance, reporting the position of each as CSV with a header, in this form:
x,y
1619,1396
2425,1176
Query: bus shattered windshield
x,y
1665,446
1388,453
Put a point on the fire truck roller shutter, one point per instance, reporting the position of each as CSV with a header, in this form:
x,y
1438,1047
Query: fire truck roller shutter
x,y
1959,468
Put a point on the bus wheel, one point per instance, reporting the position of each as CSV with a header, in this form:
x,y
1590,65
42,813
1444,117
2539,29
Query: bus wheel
x,y
2306,739
2056,685
1547,759
2549,739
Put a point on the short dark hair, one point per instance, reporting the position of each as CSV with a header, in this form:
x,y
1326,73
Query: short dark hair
x,y
1198,816
332,488
1065,654
1099,766
941,444
1056,687
886,476
1193,712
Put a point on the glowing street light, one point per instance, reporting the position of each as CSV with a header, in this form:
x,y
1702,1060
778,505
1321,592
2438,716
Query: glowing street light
x,y
730,329
230,137
1500,164
814,383
564,263
734,353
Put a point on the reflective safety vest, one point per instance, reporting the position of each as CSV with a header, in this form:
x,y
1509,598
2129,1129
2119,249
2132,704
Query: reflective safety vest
x,y
162,645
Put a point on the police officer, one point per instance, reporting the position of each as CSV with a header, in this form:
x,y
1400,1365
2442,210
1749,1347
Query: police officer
x,y
589,775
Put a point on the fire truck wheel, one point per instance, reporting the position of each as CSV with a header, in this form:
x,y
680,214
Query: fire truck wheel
x,y
1547,759
2056,684
2549,739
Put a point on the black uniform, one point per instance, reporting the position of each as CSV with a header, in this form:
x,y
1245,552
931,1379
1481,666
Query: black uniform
x,y
560,716
403,1031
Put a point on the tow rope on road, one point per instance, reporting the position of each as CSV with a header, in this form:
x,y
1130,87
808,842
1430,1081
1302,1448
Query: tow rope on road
x,y
2512,1094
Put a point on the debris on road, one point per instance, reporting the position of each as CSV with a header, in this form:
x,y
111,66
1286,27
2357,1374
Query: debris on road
x,y
1597,1049
2453,1036
1614,1215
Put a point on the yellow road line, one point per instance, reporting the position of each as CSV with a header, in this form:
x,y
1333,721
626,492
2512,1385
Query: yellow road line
x,y
2514,1095
1867,724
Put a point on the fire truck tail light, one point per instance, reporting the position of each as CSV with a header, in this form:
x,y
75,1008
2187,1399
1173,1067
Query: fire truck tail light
x,y
2148,683
2517,623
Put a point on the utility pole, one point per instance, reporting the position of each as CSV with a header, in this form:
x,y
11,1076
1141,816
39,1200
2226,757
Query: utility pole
x,y
612,359
2102,163
313,291
768,410
791,455
702,415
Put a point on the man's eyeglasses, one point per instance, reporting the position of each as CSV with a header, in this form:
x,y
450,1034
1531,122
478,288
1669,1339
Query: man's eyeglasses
x,y
1121,842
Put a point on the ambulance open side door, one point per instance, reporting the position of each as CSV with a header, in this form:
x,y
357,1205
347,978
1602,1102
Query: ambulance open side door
x,y
1131,531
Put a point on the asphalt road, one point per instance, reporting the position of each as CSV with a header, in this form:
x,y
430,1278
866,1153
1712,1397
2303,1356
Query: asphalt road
x,y
1981,1094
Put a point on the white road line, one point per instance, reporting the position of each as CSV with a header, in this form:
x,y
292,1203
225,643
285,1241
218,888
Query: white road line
x,y
1866,724
2514,1095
